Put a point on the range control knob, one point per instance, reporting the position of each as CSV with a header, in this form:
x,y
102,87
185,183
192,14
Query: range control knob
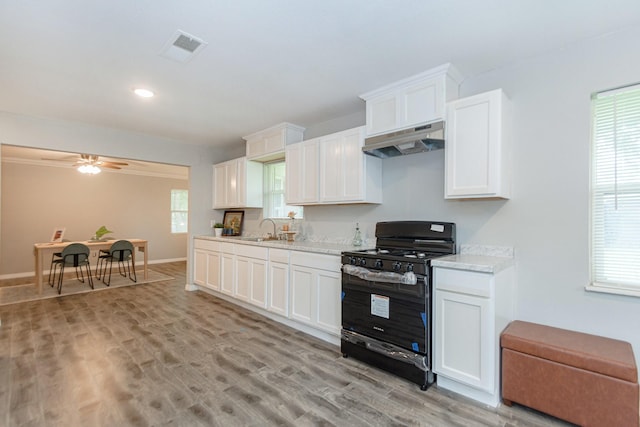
x,y
409,267
352,260
397,266
363,261
378,263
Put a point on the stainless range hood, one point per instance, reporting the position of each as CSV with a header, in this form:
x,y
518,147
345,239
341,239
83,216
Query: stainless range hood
x,y
409,141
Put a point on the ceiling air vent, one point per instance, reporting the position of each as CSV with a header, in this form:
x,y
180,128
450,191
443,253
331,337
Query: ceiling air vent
x,y
182,47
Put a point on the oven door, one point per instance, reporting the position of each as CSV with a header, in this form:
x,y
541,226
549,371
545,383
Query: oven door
x,y
396,313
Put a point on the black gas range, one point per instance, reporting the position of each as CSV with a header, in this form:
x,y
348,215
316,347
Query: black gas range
x,y
386,297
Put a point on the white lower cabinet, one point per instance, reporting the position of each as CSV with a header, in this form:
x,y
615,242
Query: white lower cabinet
x,y
471,309
463,344
206,264
302,287
315,290
199,267
278,300
227,269
213,270
251,274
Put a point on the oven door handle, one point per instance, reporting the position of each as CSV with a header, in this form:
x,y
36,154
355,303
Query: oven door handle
x,y
408,278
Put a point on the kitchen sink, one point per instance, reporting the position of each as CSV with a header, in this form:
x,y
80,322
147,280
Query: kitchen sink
x,y
258,239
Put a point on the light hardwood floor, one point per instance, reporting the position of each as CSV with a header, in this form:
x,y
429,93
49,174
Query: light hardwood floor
x,y
155,355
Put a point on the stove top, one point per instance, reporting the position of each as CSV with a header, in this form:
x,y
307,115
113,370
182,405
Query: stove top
x,y
405,246
406,253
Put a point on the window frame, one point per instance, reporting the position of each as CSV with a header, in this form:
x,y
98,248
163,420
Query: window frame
x,y
270,192
614,196
174,209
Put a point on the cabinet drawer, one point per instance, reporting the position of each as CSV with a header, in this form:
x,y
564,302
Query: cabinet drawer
x,y
317,261
227,248
464,282
279,255
208,245
252,251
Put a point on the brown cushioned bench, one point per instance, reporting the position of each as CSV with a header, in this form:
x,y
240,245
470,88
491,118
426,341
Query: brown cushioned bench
x,y
584,379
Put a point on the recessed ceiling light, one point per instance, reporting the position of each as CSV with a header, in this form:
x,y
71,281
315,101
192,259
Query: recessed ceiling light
x,y
144,93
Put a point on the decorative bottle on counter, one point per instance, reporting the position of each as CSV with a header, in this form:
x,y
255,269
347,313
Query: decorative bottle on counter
x,y
357,237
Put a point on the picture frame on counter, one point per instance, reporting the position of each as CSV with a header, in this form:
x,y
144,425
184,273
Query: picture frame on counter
x,y
58,234
232,223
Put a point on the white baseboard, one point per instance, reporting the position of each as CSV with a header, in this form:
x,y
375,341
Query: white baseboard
x,y
46,272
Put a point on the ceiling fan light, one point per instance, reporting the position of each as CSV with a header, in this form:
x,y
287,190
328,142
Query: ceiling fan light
x,y
89,169
143,93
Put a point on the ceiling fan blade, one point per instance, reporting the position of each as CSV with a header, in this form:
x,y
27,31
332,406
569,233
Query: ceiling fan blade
x,y
105,165
115,163
61,159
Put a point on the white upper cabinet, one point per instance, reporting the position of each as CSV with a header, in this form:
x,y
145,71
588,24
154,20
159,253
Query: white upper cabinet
x,y
477,147
332,169
347,175
302,172
413,101
269,144
237,184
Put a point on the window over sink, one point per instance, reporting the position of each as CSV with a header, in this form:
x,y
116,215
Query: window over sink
x,y
274,187
615,191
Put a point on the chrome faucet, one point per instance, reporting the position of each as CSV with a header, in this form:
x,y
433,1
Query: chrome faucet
x,y
275,233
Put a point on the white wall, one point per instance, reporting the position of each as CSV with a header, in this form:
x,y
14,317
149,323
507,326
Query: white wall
x,y
74,137
37,199
548,218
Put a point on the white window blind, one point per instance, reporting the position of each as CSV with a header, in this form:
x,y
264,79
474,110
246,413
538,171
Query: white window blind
x,y
179,211
615,190
274,186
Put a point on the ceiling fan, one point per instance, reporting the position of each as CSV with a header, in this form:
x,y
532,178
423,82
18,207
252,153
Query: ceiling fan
x,y
91,164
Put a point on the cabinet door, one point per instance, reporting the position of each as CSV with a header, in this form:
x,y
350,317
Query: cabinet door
x,y
463,348
294,173
213,270
243,278
302,284
353,168
310,171
342,167
237,174
328,305
475,153
422,103
199,267
302,163
279,288
227,273
258,283
332,168
220,186
381,114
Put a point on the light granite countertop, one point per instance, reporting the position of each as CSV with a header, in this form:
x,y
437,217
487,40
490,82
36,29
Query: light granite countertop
x,y
482,259
330,248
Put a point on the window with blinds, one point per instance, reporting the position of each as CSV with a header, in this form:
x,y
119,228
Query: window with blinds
x,y
615,191
273,198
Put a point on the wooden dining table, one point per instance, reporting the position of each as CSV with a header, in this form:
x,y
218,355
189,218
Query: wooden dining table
x,y
44,251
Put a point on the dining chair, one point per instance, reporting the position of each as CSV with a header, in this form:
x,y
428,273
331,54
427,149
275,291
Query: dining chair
x,y
74,255
55,258
121,252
